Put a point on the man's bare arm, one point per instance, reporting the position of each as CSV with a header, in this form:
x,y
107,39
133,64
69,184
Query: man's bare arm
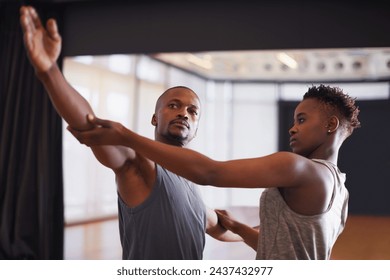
x,y
43,46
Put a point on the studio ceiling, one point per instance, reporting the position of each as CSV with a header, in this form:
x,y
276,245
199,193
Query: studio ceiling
x,y
363,64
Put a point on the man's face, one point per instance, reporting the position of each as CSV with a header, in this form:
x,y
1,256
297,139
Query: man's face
x,y
309,131
177,116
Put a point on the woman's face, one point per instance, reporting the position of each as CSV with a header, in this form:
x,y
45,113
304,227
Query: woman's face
x,y
309,131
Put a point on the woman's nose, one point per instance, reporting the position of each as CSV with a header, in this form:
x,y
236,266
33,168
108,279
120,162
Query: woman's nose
x,y
292,130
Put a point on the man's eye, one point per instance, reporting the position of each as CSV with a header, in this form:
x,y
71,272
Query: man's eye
x,y
172,106
301,120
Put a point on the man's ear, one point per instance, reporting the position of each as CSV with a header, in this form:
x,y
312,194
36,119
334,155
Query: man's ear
x,y
333,124
154,120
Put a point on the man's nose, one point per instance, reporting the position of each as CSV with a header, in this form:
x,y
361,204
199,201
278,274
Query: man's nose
x,y
183,114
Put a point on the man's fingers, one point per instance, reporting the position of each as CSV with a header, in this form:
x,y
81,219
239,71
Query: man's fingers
x,y
28,40
35,18
26,21
52,29
28,25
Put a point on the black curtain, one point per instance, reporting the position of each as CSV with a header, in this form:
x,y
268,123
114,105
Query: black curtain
x,y
31,185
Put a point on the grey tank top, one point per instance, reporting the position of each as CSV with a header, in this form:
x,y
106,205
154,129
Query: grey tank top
x,y
169,224
287,235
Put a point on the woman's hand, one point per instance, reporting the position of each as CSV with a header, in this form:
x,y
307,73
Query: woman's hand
x,y
104,132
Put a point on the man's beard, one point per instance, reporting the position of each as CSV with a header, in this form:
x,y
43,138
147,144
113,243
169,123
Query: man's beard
x,y
178,138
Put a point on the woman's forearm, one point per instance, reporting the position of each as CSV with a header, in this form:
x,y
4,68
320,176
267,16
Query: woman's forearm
x,y
182,161
249,235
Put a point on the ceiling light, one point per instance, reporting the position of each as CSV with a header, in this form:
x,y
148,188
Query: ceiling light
x,y
86,59
268,66
357,65
284,67
321,66
287,60
204,63
339,65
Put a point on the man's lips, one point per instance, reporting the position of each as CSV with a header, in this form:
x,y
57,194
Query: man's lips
x,y
181,123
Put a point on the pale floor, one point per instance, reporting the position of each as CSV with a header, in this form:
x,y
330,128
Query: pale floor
x,y
364,238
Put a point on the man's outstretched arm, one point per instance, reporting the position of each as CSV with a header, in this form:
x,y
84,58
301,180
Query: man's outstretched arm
x,y
43,47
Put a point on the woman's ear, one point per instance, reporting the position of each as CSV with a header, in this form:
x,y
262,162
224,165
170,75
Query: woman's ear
x,y
154,120
333,124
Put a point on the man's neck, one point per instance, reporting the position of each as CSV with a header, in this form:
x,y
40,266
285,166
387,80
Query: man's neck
x,y
170,141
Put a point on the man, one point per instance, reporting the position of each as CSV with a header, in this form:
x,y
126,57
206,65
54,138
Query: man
x,y
161,215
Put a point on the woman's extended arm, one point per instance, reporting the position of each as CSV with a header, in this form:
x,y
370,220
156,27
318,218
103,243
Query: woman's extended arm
x,y
249,173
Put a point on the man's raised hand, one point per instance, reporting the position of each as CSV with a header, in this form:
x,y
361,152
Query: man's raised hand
x,y
43,45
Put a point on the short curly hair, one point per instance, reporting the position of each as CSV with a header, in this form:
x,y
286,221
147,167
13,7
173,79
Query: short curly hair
x,y
335,98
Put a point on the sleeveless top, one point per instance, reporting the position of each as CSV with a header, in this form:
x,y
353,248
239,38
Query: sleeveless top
x,y
287,235
170,224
